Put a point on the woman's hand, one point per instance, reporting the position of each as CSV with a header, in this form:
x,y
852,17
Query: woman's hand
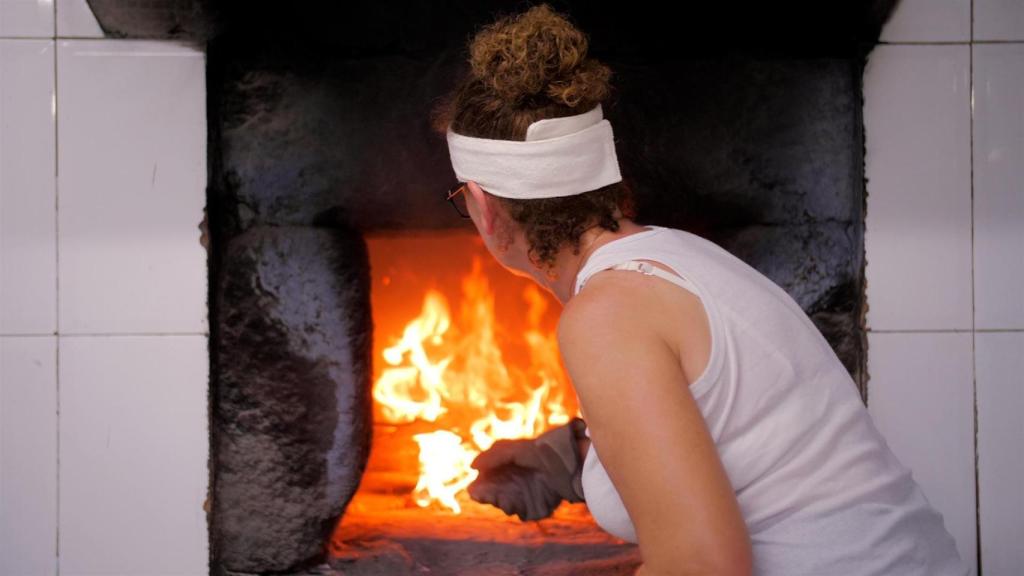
x,y
648,430
531,477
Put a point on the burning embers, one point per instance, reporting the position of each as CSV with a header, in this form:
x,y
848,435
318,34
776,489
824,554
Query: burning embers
x,y
475,361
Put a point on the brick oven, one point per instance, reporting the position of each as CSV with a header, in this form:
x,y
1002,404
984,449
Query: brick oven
x,y
364,345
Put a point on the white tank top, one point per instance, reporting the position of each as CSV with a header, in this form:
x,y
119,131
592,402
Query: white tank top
x,y
818,486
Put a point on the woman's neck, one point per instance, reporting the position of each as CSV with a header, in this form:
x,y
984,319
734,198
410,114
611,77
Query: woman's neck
x,y
568,265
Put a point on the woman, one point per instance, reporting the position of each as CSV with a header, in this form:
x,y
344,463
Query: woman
x,y
727,438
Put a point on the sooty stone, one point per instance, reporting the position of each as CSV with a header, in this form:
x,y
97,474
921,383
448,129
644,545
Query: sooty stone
x,y
292,401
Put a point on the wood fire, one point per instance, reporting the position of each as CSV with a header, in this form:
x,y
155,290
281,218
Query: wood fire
x,y
456,377
464,354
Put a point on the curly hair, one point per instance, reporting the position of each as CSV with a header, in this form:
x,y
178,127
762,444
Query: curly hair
x,y
523,68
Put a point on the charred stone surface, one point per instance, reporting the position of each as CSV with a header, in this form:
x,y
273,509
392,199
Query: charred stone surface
x,y
292,409
638,27
761,156
347,141
192,21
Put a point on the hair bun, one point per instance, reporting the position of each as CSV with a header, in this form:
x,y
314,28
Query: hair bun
x,y
537,57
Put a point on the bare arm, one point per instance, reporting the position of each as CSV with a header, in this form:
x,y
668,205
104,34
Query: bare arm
x,y
651,435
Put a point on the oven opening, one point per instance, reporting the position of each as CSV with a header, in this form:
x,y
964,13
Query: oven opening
x,y
464,353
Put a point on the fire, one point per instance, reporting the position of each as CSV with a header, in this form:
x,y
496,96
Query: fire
x,y
455,375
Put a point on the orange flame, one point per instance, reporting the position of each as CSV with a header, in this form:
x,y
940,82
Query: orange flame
x,y
456,376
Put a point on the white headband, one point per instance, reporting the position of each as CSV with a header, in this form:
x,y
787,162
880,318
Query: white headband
x,y
560,157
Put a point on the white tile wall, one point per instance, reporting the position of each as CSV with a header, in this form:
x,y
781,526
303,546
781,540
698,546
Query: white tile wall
x,y
131,186
999,185
918,223
999,20
26,18
75,18
1000,373
28,242
133,438
28,455
921,399
917,204
929,21
114,481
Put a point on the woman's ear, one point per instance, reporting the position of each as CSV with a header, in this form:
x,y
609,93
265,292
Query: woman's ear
x,y
486,210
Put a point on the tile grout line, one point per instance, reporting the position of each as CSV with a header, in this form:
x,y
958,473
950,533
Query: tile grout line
x,y
949,42
132,334
165,334
942,330
1,317
157,40
56,249
974,350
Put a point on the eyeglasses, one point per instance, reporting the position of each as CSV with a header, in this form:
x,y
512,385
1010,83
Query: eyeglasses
x,y
457,199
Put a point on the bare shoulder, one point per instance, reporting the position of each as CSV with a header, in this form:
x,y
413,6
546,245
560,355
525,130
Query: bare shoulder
x,y
621,304
610,300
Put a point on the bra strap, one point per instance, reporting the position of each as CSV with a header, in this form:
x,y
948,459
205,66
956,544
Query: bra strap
x,y
652,270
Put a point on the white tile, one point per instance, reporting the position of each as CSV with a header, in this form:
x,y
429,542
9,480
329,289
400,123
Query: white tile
x,y
28,240
133,454
928,21
999,360
26,18
998,20
131,186
28,455
921,398
917,162
75,18
999,185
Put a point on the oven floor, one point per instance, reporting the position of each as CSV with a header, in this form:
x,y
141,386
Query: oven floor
x,y
383,534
